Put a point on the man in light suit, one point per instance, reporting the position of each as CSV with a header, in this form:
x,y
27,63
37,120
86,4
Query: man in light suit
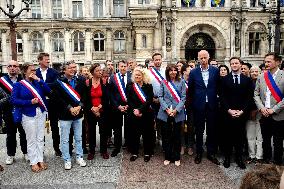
x,y
271,106
202,94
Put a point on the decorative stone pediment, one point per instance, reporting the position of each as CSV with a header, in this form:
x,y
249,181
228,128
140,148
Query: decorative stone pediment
x,y
141,18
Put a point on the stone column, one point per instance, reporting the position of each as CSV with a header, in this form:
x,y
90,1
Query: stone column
x,y
197,3
164,48
66,10
233,46
88,49
111,7
4,46
47,46
26,48
107,8
178,3
109,44
168,3
243,45
68,46
157,36
227,4
208,3
174,38
87,7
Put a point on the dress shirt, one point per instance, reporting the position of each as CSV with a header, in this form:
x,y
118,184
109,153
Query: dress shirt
x,y
205,77
13,80
156,85
268,93
43,73
124,78
238,75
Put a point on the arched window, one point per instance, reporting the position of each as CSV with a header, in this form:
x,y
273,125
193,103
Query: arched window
x,y
99,42
255,32
78,40
144,41
37,42
36,9
19,42
119,42
57,42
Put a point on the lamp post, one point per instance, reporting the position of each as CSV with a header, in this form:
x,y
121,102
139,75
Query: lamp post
x,y
278,22
12,25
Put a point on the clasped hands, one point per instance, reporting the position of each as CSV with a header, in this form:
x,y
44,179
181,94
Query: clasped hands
x,y
96,110
266,111
75,110
235,113
171,112
123,109
137,113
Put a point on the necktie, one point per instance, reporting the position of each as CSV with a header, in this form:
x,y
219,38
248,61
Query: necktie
x,y
122,78
236,81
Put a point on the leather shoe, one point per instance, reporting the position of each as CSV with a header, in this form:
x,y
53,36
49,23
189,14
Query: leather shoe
x,y
58,153
213,159
114,153
147,158
133,157
105,155
197,159
90,156
241,164
227,163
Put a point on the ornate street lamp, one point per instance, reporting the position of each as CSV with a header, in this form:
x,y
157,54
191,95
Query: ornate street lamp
x,y
278,23
12,24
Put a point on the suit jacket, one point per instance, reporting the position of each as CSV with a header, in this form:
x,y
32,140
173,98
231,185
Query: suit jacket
x,y
135,103
115,97
51,76
197,91
65,102
166,100
236,96
22,97
260,92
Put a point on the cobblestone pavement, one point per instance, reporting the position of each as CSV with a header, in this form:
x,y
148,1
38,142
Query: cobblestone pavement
x,y
116,172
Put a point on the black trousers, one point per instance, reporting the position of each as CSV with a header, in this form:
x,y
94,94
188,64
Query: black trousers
x,y
103,130
141,126
117,128
11,141
172,139
199,118
271,128
53,118
234,130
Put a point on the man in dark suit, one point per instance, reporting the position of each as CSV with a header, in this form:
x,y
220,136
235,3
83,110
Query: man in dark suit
x,y
49,76
202,97
119,105
6,83
236,94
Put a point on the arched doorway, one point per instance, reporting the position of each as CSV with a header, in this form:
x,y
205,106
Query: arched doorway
x,y
197,42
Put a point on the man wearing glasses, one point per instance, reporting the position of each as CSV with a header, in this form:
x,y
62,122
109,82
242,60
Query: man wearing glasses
x,y
6,83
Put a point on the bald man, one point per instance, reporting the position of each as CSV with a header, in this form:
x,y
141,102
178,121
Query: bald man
x,y
6,84
202,99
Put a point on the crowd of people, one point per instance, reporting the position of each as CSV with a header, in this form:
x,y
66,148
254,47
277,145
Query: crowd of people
x,y
241,110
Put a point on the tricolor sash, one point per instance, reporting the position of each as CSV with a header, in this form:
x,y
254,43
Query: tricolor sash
x,y
34,93
157,75
70,91
6,84
173,90
120,86
139,92
274,89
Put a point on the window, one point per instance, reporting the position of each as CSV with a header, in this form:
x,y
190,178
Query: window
x,y
36,9
282,43
77,9
144,41
119,42
57,9
258,3
19,42
99,42
217,3
58,42
187,3
143,2
254,43
37,42
79,42
98,8
118,7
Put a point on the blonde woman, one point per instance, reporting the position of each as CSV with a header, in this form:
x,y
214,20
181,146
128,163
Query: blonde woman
x,y
139,94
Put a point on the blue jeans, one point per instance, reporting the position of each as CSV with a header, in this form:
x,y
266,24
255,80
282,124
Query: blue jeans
x,y
65,131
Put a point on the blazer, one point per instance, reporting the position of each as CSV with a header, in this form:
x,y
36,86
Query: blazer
x,y
115,97
22,97
65,102
134,102
166,100
236,96
51,75
260,92
197,91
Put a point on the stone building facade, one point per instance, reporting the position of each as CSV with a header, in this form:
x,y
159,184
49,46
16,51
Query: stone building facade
x,y
95,30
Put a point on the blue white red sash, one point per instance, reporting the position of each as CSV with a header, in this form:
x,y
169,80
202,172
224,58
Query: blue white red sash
x,y
157,75
139,92
70,91
173,90
34,93
120,86
274,89
6,84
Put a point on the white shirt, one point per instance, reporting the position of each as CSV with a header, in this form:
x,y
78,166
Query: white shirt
x,y
238,75
156,85
205,77
43,73
268,93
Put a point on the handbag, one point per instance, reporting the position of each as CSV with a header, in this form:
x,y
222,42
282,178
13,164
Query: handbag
x,y
17,114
